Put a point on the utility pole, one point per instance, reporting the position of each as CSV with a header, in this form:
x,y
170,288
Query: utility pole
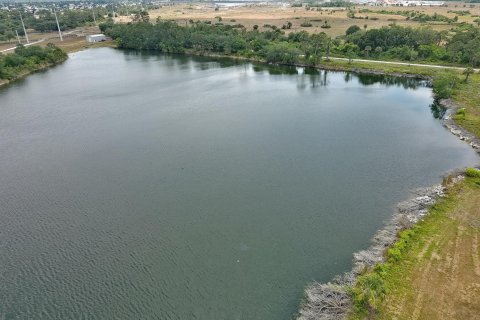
x,y
58,25
24,30
18,38
94,20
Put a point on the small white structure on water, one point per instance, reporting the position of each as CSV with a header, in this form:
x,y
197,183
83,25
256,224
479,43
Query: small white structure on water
x,y
96,37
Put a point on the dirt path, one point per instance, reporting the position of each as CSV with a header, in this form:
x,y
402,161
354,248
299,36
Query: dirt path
x,y
445,274
403,64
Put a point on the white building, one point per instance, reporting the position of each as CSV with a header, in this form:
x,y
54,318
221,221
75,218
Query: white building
x,y
96,37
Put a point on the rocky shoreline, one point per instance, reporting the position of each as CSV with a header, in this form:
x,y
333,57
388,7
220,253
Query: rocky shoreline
x,y
450,124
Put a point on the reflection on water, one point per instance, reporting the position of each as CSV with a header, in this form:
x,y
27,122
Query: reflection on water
x,y
438,110
308,77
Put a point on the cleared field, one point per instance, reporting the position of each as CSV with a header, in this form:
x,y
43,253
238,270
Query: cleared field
x,y
278,16
73,40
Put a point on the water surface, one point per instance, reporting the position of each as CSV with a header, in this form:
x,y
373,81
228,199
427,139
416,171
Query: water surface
x,y
156,187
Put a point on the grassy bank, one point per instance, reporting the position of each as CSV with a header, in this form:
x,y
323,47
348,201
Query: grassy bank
x,y
80,44
467,96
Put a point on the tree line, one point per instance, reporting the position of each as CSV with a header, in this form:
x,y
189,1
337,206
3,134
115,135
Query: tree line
x,y
460,46
27,59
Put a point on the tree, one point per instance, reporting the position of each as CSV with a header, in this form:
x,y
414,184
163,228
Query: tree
x,y
367,50
443,85
282,52
328,48
142,16
318,43
467,72
352,29
350,55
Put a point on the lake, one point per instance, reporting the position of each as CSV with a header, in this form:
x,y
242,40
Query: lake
x,y
141,186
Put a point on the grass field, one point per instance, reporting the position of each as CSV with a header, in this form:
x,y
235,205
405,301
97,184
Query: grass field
x,y
278,15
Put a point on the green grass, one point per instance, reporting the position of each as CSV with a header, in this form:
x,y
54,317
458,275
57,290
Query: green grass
x,y
472,173
467,95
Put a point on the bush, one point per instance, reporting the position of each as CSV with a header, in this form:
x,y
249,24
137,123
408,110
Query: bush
x,y
472,172
368,293
27,59
460,114
352,29
282,53
443,85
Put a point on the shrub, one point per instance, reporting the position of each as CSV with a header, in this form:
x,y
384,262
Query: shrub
x,y
460,114
443,85
472,172
352,29
367,294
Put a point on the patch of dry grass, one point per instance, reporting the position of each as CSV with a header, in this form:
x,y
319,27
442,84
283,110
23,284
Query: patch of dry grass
x,y
276,15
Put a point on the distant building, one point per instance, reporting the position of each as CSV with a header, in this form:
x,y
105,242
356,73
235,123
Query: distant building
x,y
403,3
96,38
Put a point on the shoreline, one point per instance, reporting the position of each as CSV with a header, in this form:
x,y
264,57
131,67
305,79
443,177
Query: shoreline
x,y
26,73
43,67
320,66
455,129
